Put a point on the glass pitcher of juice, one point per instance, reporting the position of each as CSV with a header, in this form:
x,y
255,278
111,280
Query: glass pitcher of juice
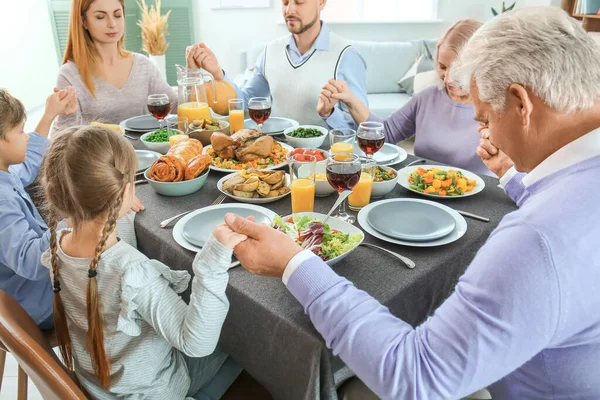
x,y
191,93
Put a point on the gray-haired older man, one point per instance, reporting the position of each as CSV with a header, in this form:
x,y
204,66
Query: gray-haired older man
x,y
524,317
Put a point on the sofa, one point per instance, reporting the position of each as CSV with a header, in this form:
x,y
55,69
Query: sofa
x,y
387,64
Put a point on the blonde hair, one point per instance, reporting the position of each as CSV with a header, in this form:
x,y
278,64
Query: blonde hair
x,y
12,112
459,34
540,48
80,46
86,172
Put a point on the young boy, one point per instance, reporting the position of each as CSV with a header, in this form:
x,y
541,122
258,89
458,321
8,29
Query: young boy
x,y
24,235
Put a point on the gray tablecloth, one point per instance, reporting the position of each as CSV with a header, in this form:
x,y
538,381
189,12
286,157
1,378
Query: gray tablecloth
x,y
266,329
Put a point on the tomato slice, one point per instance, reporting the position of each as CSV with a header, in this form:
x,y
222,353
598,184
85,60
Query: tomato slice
x,y
297,151
290,220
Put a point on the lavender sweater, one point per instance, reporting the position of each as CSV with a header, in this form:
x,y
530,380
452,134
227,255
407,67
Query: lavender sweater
x,y
445,131
112,105
523,319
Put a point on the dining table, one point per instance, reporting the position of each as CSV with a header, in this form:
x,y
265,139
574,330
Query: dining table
x,y
267,331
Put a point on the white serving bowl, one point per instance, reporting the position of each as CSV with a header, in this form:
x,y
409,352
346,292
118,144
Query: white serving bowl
x,y
306,142
336,224
322,188
159,147
380,189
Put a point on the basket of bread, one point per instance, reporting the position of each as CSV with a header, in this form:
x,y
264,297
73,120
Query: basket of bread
x,y
182,171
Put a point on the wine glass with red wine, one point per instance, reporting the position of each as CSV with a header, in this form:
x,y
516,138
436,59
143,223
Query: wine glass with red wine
x,y
259,109
370,137
343,173
159,106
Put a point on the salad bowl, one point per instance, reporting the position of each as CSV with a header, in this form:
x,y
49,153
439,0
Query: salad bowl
x,y
332,242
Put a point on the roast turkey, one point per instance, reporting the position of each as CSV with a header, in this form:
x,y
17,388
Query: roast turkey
x,y
244,145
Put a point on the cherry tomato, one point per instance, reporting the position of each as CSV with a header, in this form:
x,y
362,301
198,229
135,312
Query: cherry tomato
x,y
290,220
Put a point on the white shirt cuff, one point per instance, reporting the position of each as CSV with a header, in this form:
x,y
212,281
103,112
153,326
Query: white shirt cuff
x,y
294,263
508,175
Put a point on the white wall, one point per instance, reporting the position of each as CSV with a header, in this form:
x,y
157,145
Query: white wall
x,y
28,60
229,32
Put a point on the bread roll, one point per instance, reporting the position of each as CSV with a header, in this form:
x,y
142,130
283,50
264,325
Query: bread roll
x,y
167,169
197,166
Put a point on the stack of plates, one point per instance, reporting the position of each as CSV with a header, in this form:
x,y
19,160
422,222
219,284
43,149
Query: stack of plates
x,y
389,154
192,231
412,222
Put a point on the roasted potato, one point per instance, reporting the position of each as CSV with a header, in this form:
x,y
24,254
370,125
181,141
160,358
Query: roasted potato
x,y
246,195
231,182
274,178
250,185
263,189
279,184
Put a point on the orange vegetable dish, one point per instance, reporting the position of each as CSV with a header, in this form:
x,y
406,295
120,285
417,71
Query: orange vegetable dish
x,y
439,182
277,156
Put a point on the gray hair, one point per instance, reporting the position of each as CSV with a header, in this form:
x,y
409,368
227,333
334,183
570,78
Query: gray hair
x,y
540,48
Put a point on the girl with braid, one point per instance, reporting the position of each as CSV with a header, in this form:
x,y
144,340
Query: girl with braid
x,y
120,322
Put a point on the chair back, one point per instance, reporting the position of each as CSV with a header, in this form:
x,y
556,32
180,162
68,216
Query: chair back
x,y
22,337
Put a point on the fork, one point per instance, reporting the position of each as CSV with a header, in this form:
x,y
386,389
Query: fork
x,y
168,221
409,263
420,160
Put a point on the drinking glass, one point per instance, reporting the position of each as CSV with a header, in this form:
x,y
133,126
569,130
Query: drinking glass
x,y
370,137
361,193
259,109
302,174
342,140
343,173
236,115
159,106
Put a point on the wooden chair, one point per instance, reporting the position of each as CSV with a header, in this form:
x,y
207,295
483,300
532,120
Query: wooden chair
x,y
33,350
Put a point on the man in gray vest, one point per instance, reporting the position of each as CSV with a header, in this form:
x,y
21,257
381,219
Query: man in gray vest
x,y
294,69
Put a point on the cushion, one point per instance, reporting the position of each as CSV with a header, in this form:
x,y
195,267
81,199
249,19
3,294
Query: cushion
x,y
422,64
385,104
386,63
425,79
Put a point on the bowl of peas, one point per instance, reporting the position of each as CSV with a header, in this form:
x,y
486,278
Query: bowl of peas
x,y
306,136
159,140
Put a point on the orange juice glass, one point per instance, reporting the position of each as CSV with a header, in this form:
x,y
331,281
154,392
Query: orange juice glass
x,y
342,140
302,173
236,115
194,110
361,193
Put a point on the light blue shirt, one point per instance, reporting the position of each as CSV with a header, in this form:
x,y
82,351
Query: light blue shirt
x,y
352,69
24,236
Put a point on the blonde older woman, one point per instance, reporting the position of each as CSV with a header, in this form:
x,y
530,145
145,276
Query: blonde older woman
x,y
523,319
440,117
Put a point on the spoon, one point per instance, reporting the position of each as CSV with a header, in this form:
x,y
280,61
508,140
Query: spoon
x,y
342,196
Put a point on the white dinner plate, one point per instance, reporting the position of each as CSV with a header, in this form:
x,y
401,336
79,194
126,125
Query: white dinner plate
x,y
405,172
260,200
283,164
273,126
459,230
389,152
402,155
145,159
178,228
147,117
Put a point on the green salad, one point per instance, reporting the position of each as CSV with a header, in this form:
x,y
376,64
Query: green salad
x,y
305,133
312,234
159,136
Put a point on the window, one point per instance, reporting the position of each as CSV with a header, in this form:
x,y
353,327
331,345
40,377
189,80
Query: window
x,y
380,11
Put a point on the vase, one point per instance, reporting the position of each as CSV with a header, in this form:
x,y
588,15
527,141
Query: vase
x,y
161,64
